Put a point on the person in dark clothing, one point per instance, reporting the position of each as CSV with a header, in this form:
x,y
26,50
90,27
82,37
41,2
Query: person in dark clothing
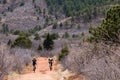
x,y
34,64
50,60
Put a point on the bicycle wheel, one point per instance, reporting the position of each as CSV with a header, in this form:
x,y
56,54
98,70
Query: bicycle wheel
x,y
50,65
34,68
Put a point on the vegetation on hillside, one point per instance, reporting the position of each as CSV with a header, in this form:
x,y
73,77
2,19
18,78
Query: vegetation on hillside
x,y
48,43
39,47
22,42
109,30
64,53
98,60
87,9
37,37
5,29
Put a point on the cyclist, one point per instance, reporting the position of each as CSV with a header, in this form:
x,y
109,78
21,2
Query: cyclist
x,y
50,60
34,64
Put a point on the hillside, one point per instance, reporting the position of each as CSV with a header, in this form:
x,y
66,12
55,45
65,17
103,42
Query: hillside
x,y
26,14
85,9
22,15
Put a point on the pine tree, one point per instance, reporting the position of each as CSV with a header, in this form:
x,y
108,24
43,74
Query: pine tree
x,y
9,42
109,30
39,48
37,37
55,25
5,29
48,43
33,1
4,1
61,25
66,35
64,52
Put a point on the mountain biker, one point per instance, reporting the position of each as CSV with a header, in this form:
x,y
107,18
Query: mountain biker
x,y
50,60
34,64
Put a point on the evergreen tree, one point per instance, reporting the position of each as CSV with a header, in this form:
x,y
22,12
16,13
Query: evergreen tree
x,y
66,35
33,1
9,42
17,32
61,25
55,25
39,48
37,37
78,27
44,12
4,1
5,29
64,52
22,42
109,30
54,36
22,4
48,43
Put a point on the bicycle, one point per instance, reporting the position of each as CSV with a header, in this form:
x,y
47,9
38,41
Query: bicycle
x,y
34,68
50,66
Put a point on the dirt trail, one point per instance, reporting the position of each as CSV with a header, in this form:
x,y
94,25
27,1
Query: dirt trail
x,y
49,28
42,72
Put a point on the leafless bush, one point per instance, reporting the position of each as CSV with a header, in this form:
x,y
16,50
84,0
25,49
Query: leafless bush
x,y
5,61
22,57
13,60
97,62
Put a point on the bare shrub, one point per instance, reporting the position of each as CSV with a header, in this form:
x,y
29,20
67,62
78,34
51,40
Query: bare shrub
x,y
22,58
13,59
5,61
96,62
